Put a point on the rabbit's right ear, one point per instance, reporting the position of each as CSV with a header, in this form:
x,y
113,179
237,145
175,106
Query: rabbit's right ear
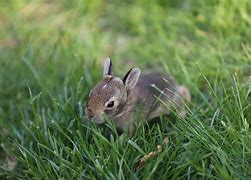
x,y
131,78
107,67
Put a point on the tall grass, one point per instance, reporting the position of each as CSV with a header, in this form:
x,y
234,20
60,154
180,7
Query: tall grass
x,y
51,55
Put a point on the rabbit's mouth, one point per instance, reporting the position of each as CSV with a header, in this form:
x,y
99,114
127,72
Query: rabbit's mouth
x,y
97,120
93,116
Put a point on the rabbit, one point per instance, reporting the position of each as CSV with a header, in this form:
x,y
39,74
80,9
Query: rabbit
x,y
134,97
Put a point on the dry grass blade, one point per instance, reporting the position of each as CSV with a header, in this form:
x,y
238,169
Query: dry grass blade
x,y
150,155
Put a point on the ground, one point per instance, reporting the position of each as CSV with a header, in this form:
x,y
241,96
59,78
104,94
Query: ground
x,y
51,55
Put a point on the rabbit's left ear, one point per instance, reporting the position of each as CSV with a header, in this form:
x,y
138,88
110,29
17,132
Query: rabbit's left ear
x,y
107,67
131,78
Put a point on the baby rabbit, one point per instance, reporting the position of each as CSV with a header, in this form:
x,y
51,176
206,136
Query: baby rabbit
x,y
134,97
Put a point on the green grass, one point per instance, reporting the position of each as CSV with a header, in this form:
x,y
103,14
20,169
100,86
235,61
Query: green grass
x,y
51,55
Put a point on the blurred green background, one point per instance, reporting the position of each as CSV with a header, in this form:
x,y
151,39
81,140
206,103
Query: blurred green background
x,y
51,54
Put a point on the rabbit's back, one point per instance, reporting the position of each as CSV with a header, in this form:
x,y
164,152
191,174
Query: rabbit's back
x,y
156,83
153,85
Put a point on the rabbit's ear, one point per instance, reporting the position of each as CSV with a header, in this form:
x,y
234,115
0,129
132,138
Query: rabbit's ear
x,y
107,67
131,78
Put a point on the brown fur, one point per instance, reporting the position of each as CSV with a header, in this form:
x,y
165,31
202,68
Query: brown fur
x,y
142,102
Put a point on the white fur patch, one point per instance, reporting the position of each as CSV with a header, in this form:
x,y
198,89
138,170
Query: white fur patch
x,y
104,86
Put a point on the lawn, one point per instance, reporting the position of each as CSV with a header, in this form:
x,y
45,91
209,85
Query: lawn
x,y
51,55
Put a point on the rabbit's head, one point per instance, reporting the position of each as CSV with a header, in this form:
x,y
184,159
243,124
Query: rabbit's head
x,y
110,95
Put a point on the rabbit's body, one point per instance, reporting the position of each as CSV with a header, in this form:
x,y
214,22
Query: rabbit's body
x,y
135,97
143,99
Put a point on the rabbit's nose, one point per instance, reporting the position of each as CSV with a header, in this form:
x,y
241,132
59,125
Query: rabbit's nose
x,y
89,113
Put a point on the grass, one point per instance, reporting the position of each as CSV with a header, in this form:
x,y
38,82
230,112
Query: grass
x,y
51,55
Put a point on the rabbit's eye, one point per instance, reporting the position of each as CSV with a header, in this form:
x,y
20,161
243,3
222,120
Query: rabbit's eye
x,y
110,104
